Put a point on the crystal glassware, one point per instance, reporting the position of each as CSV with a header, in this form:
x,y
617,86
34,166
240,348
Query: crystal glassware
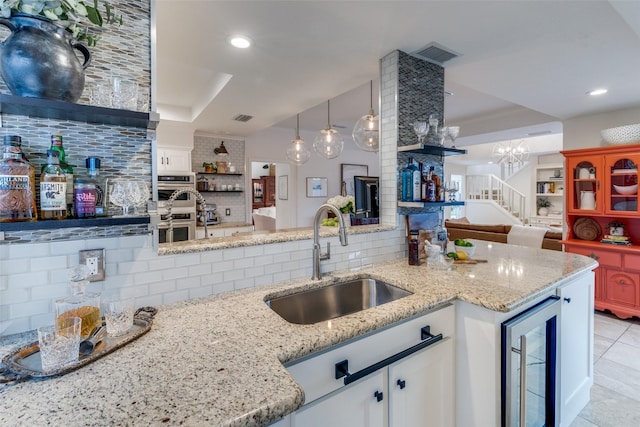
x,y
452,133
118,315
421,129
139,194
59,344
82,304
452,188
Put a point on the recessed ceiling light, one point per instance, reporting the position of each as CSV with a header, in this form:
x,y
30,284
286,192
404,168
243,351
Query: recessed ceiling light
x,y
241,42
596,92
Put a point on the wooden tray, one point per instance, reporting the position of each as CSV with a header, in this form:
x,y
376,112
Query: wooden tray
x,y
25,362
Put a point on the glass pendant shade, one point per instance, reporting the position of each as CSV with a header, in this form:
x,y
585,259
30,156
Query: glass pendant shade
x,y
329,143
366,130
297,153
366,133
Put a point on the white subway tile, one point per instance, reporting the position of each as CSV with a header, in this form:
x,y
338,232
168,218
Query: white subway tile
x,y
147,277
162,286
132,267
134,291
188,283
243,263
135,242
48,263
69,247
15,325
28,280
200,270
172,297
243,283
31,307
114,256
187,259
19,265
202,291
281,276
175,273
221,267
232,254
29,250
233,275
209,256
221,287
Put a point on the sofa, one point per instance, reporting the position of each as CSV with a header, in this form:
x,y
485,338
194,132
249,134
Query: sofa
x,y
264,218
463,229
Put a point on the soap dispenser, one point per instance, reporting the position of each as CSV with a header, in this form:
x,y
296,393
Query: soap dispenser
x,y
85,305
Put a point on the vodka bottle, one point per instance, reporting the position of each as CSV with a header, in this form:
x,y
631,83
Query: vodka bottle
x,y
53,189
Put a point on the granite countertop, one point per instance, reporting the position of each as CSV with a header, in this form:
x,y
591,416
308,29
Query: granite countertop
x,y
218,360
261,237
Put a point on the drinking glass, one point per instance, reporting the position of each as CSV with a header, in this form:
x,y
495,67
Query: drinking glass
x,y
139,194
60,343
125,94
452,133
421,129
119,195
118,315
452,188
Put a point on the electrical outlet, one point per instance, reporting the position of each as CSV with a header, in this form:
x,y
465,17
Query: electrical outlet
x,y
227,211
94,260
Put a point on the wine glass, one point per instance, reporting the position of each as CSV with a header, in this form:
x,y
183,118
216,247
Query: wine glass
x,y
139,192
453,132
452,188
433,123
118,195
421,129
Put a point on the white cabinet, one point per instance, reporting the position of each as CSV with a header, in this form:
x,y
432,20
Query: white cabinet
x,y
548,185
361,403
576,347
216,231
421,388
173,160
415,390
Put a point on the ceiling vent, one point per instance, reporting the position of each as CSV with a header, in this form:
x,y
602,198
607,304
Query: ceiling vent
x,y
435,52
242,118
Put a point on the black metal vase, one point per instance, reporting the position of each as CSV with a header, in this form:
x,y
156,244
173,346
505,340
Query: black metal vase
x,y
37,59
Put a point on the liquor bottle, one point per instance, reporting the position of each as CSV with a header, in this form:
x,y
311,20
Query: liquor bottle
x,y
417,181
53,189
56,144
17,184
81,303
440,236
93,169
407,181
429,188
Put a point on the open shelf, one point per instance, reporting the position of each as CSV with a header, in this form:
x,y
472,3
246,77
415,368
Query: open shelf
x,y
428,204
431,149
74,222
61,110
216,173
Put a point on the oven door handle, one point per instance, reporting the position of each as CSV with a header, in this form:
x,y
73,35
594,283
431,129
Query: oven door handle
x,y
342,368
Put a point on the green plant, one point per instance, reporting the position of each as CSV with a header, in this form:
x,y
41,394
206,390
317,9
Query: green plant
x,y
543,202
208,165
69,14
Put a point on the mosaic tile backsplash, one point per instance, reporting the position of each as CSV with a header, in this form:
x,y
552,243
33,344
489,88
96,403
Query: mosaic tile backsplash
x,y
122,51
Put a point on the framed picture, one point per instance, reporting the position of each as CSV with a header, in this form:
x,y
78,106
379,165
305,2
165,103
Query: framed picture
x,y
348,172
283,187
317,187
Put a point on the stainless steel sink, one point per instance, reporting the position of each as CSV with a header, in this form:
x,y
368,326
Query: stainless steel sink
x,y
338,299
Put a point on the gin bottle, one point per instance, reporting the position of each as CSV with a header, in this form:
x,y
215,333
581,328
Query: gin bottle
x,y
407,181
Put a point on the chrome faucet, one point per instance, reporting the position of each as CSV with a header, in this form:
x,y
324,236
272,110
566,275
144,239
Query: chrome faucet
x,y
317,254
172,199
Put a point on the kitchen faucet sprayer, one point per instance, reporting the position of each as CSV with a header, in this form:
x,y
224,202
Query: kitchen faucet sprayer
x,y
317,254
172,199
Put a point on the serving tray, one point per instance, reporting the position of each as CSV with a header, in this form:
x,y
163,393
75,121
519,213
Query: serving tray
x,y
25,362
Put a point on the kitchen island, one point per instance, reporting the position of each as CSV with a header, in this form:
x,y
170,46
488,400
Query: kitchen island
x,y
219,360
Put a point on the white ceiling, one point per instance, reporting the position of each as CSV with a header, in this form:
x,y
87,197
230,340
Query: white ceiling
x,y
539,57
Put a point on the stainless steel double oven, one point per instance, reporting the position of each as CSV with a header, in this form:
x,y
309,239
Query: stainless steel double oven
x,y
183,210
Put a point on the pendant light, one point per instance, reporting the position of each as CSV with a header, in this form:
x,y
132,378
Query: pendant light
x,y
297,152
329,143
221,151
366,131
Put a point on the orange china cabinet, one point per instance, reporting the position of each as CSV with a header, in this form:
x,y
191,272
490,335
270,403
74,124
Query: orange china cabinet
x,y
603,221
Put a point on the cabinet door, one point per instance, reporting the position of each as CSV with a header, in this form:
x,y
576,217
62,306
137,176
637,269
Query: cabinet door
x,y
621,287
421,388
576,347
269,190
622,184
174,160
356,405
585,185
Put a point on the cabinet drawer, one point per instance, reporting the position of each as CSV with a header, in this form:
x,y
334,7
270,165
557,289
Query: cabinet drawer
x,y
316,373
621,287
604,258
632,262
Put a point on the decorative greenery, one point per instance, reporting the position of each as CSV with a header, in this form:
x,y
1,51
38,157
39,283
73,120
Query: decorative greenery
x,y
543,202
208,165
344,203
69,14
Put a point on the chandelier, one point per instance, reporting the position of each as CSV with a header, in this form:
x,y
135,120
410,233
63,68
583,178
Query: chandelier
x,y
509,154
365,131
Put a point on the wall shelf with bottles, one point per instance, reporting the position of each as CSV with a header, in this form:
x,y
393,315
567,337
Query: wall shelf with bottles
x,y
61,110
216,173
221,191
429,204
73,222
431,149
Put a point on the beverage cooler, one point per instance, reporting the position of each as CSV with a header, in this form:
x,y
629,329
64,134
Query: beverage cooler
x,y
530,372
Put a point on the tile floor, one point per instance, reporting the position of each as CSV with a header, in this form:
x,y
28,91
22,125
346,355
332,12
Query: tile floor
x,y
615,395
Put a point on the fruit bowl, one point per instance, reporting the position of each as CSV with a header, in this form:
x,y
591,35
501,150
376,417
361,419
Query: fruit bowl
x,y
626,189
469,250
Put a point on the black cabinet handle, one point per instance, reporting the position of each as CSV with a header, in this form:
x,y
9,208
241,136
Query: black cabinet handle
x,y
402,384
378,395
568,300
342,367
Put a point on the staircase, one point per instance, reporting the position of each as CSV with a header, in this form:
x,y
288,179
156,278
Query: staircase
x,y
491,188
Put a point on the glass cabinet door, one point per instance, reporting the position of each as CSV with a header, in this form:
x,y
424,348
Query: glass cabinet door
x,y
622,185
585,184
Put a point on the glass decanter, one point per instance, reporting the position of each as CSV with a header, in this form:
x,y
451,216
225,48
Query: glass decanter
x,y
85,305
